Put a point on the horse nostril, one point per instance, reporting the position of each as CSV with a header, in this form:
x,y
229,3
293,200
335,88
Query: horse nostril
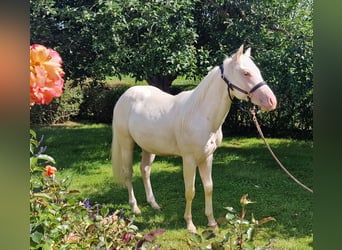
x,y
272,102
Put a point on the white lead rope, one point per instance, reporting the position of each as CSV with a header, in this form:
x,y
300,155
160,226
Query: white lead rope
x,y
274,156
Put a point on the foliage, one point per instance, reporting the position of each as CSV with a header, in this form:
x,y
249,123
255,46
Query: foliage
x,y
160,40
241,165
238,231
99,101
59,110
47,83
280,34
157,40
81,33
58,221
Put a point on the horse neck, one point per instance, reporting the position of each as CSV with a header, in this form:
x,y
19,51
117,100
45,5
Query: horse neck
x,y
210,99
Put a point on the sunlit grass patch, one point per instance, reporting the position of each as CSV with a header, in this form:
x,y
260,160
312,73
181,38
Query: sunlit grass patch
x,y
241,166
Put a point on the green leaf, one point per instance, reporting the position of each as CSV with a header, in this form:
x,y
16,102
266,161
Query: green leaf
x,y
221,220
196,238
265,220
245,222
208,234
250,233
36,237
248,245
133,227
33,164
230,217
104,211
227,236
33,133
42,195
46,158
230,209
217,246
63,228
98,217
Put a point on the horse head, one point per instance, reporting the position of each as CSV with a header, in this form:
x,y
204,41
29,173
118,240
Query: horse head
x,y
245,80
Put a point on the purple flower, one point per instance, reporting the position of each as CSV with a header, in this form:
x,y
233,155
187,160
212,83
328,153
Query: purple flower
x,y
87,204
42,150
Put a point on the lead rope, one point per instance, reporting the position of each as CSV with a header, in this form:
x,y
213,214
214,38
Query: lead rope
x,y
252,110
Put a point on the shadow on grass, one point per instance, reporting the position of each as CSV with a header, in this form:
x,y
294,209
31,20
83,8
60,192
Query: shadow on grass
x,y
235,172
238,169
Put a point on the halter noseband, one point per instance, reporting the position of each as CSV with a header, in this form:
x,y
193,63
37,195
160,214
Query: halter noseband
x,y
232,86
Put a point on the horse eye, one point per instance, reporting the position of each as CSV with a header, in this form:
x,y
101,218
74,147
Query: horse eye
x,y
246,73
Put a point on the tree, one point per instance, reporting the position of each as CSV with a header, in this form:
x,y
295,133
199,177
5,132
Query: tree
x,y
157,40
150,40
80,31
281,37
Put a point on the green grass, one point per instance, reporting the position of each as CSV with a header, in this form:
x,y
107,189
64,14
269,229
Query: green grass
x,y
241,165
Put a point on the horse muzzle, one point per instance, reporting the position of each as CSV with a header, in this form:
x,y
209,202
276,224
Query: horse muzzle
x,y
268,103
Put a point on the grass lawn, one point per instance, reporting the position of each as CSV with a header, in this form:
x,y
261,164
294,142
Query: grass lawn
x,y
241,166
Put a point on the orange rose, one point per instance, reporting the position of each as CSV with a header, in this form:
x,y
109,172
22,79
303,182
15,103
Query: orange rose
x,y
50,170
46,75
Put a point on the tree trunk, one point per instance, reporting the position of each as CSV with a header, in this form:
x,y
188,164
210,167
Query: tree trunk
x,y
161,82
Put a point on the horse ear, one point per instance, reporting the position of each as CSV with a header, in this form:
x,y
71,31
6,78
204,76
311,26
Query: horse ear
x,y
238,54
248,52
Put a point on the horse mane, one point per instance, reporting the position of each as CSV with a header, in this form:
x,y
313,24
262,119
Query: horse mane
x,y
205,84
197,95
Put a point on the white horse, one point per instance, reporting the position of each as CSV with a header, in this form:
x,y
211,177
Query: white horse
x,y
186,125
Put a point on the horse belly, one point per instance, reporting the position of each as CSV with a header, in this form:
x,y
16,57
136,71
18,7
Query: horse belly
x,y
152,133
154,140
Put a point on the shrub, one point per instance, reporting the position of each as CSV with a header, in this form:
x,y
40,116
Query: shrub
x,y
57,221
99,101
238,232
60,109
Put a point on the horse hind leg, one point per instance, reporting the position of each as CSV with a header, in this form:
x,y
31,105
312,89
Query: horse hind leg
x,y
145,168
126,151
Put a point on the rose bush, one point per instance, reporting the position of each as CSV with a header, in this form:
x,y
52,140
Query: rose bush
x,y
57,221
49,170
46,74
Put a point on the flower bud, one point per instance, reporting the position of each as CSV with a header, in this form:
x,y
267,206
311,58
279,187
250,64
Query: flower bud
x,y
50,170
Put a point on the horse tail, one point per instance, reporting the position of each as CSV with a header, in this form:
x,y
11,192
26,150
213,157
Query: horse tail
x,y
117,160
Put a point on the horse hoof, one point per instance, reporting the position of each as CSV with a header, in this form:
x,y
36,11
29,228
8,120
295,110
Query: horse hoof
x,y
192,228
214,226
156,207
136,210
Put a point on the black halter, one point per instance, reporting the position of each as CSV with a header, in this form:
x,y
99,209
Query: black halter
x,y
232,86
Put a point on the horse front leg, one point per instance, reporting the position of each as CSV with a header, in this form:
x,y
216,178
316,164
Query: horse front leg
x,y
189,174
145,168
205,173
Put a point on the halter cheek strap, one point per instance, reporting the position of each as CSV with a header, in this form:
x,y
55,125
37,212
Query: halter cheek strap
x,y
232,86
